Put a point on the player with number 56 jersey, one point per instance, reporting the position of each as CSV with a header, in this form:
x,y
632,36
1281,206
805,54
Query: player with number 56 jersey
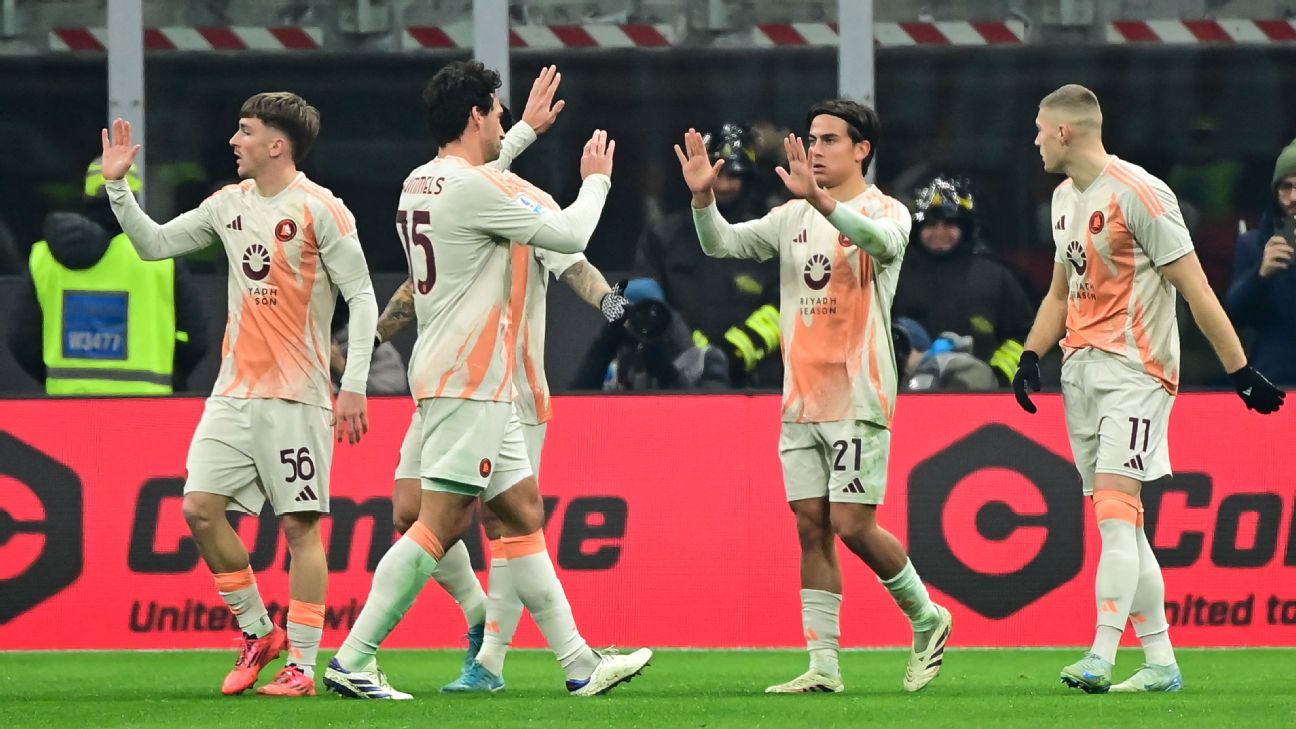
x,y
267,431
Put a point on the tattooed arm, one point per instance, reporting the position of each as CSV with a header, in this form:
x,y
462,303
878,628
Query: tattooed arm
x,y
589,284
586,281
399,312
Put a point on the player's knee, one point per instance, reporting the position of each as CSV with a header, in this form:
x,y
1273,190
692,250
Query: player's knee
x,y
493,526
199,514
813,529
852,524
407,498
403,517
300,530
519,509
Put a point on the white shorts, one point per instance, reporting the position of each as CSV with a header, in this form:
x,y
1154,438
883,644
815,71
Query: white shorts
x,y
254,449
1118,418
844,460
534,435
408,465
471,447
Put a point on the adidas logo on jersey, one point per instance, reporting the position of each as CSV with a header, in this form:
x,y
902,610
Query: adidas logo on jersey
x,y
1135,463
235,224
854,487
1060,224
306,494
801,237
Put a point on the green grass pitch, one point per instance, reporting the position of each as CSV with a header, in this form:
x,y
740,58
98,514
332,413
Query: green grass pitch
x,y
978,688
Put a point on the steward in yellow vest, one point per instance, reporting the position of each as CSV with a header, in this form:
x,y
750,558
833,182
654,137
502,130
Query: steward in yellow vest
x,y
104,322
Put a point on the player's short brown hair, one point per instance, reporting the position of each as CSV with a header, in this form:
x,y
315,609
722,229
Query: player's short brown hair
x,y
862,123
1077,103
290,114
452,94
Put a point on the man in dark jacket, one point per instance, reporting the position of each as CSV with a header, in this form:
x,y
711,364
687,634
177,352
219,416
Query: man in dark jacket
x,y
948,283
1262,296
78,241
731,304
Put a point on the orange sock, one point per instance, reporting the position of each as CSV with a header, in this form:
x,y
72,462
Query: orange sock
x,y
239,591
305,629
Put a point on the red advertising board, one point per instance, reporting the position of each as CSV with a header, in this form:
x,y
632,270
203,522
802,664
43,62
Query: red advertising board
x,y
668,524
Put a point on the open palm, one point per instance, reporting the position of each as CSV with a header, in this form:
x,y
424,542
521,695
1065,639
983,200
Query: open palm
x,y
541,112
798,177
118,153
699,172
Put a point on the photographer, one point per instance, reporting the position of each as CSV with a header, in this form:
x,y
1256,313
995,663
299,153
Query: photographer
x,y
1263,291
653,348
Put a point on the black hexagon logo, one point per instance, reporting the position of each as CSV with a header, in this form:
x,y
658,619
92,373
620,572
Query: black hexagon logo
x,y
1060,552
48,513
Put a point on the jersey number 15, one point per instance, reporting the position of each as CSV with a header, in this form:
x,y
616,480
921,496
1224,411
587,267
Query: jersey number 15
x,y
408,222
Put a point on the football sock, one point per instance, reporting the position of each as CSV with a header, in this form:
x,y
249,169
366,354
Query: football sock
x,y
399,577
455,574
239,591
539,590
1118,567
305,628
821,618
503,612
909,592
1147,611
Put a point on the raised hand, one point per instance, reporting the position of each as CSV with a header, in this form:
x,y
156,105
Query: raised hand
x,y
541,112
118,153
798,177
596,159
699,172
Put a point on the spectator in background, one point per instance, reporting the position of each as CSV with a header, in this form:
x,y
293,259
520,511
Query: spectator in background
x,y
950,283
768,153
92,318
653,348
732,304
944,365
1262,296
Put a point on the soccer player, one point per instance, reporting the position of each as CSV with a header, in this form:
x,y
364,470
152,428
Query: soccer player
x,y
531,269
267,431
1122,253
459,220
840,242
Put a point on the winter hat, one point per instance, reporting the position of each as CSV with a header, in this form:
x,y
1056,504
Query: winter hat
x,y
1286,165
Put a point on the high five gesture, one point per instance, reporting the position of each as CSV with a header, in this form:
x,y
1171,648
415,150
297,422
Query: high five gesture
x,y
119,152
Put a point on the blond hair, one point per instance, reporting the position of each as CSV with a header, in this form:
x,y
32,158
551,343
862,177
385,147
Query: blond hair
x,y
290,114
1076,103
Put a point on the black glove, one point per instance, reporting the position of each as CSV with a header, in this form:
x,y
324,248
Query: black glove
x,y
613,304
1256,390
1027,380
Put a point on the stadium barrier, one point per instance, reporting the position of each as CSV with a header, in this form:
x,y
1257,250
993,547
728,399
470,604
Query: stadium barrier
x,y
668,525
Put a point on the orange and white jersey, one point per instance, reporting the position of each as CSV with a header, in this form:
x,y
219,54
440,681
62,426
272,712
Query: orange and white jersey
x,y
531,271
289,256
835,305
1113,237
458,222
